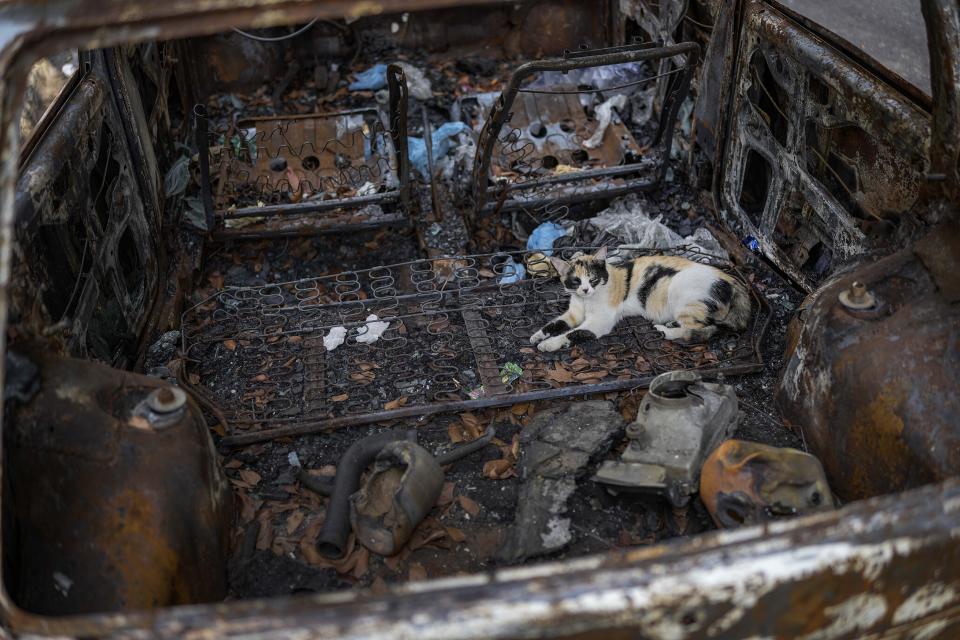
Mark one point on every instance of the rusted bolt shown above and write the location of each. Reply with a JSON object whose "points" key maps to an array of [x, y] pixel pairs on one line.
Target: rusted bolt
{"points": [[857, 296], [166, 400]]}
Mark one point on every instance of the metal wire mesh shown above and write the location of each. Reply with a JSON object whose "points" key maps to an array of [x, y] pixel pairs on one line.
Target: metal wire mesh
{"points": [[529, 134], [455, 335], [347, 168]]}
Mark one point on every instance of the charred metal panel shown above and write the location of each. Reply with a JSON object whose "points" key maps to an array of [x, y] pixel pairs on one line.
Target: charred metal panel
{"points": [[823, 160], [86, 232], [874, 390], [943, 27], [524, 29], [888, 567], [117, 501]]}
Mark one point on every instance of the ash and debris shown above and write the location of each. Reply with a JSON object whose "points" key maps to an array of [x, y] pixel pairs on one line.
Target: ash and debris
{"points": [[278, 519]]}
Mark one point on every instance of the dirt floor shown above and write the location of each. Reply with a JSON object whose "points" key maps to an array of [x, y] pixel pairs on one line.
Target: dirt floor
{"points": [[279, 520]]}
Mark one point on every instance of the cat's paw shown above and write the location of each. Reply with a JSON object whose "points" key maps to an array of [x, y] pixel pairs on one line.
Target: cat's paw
{"points": [[538, 337], [670, 333], [554, 344]]}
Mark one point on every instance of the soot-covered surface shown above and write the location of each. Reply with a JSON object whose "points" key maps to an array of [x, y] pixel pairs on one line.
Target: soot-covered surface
{"points": [[274, 539]]}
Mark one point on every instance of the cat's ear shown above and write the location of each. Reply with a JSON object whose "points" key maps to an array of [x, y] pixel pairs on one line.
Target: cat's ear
{"points": [[601, 253], [562, 266]]}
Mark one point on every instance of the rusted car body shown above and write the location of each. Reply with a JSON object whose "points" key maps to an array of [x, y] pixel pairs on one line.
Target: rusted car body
{"points": [[803, 143]]}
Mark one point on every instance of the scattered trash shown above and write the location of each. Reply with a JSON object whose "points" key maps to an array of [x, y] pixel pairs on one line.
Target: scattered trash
{"points": [[744, 483], [680, 421], [558, 444], [442, 139], [543, 237], [626, 220], [708, 243], [751, 243], [62, 583], [405, 483], [477, 392], [513, 272], [177, 178], [293, 459], [631, 225], [418, 85], [604, 115], [539, 266], [402, 488], [367, 189], [510, 372], [371, 332], [372, 79], [334, 338], [606, 78], [332, 540]]}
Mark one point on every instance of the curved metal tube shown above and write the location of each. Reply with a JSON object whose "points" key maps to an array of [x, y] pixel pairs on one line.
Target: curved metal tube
{"points": [[332, 540], [468, 448]]}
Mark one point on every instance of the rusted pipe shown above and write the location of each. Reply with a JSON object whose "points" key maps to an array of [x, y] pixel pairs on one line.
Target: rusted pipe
{"points": [[332, 540], [324, 486]]}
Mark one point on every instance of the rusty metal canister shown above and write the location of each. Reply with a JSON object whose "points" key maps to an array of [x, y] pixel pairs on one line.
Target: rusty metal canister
{"points": [[113, 497]]}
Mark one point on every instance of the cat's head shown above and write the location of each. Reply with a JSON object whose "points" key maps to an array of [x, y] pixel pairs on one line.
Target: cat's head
{"points": [[583, 274]]}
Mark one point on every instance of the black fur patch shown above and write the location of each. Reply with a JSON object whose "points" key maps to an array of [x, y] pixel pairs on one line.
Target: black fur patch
{"points": [[651, 277], [580, 335], [571, 282], [721, 291], [626, 292], [555, 328], [597, 270], [711, 305]]}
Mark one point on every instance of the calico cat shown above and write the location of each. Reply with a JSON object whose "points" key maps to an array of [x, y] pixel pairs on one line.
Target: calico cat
{"points": [[663, 289]]}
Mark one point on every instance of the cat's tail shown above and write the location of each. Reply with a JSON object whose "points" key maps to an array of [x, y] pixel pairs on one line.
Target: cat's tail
{"points": [[740, 307]]}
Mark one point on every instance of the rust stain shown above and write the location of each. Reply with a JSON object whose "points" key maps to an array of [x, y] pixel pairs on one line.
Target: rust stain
{"points": [[131, 538]]}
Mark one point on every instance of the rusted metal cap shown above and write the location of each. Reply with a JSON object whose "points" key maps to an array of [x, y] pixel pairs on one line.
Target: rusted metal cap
{"points": [[857, 297], [166, 400]]}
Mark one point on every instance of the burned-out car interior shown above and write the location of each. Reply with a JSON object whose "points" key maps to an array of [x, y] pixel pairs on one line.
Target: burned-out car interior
{"points": [[298, 339]]}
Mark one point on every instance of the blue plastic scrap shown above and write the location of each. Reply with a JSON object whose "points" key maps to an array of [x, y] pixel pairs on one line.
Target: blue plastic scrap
{"points": [[752, 243], [512, 272], [442, 138], [543, 237], [373, 79]]}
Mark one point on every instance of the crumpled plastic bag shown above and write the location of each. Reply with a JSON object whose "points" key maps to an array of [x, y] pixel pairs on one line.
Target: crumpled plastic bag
{"points": [[372, 79], [634, 228], [604, 117], [375, 78], [418, 85], [443, 139], [544, 236], [602, 78], [512, 272]]}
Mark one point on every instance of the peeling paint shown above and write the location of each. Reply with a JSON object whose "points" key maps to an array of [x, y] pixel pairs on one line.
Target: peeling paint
{"points": [[926, 600]]}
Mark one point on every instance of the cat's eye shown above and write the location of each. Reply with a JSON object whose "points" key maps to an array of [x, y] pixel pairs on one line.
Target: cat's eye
{"points": [[594, 281], [574, 282]]}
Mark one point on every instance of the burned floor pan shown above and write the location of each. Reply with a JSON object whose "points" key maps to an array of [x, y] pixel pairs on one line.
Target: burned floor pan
{"points": [[453, 335]]}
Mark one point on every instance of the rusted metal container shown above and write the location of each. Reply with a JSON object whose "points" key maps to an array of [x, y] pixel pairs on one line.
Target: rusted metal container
{"points": [[117, 499]]}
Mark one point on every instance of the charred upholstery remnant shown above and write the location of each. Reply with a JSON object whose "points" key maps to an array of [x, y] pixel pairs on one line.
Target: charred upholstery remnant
{"points": [[823, 161], [112, 509], [87, 221], [874, 392]]}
